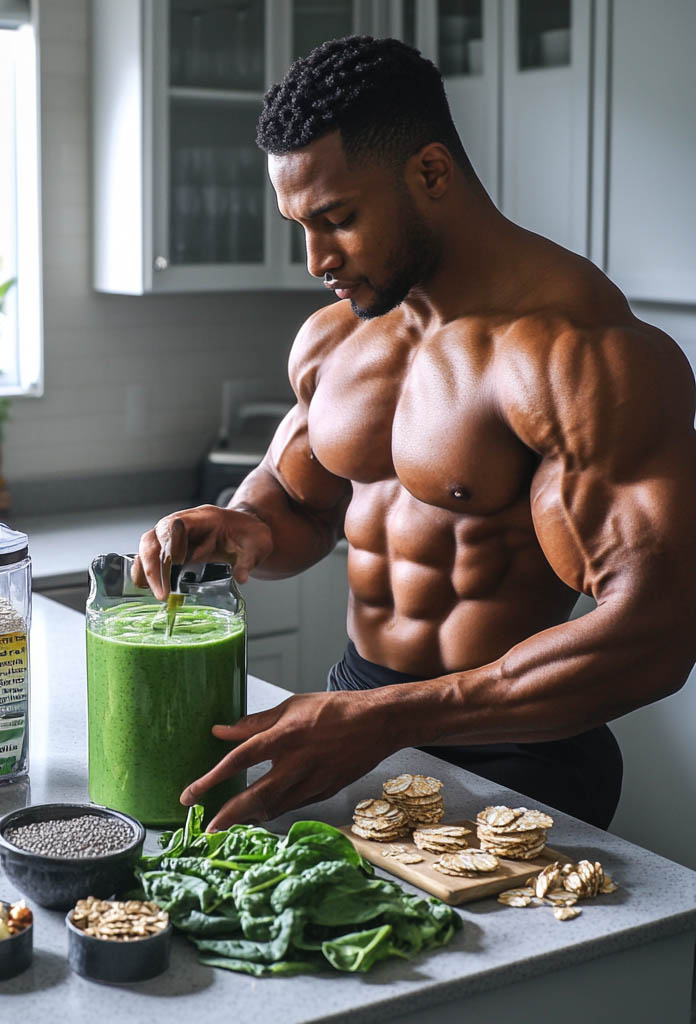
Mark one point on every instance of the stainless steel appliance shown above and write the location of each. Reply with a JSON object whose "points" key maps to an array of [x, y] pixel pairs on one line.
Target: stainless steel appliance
{"points": [[242, 442]]}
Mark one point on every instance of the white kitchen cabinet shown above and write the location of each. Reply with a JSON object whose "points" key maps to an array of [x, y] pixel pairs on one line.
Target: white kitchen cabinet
{"points": [[517, 75], [651, 206], [272, 606], [297, 626], [323, 609], [275, 659], [462, 37], [546, 117], [182, 201]]}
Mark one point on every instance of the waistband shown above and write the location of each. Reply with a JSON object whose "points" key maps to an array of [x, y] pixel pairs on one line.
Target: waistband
{"points": [[353, 672]]}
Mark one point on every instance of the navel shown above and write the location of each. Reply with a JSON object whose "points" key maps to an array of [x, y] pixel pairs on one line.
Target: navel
{"points": [[460, 492]]}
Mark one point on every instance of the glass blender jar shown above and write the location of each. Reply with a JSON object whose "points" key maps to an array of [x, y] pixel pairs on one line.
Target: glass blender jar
{"points": [[154, 695]]}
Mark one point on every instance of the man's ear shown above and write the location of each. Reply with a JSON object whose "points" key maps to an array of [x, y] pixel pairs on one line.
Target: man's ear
{"points": [[431, 170]]}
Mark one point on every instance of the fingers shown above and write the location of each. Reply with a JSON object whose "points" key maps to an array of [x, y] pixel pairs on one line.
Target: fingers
{"points": [[249, 753], [160, 548], [247, 726], [201, 534], [256, 804]]}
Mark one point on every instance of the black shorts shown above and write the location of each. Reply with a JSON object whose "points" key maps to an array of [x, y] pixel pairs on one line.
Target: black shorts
{"points": [[580, 775]]}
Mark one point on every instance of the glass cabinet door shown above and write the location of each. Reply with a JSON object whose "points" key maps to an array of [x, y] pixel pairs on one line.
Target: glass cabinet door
{"points": [[544, 35], [217, 179], [313, 22], [460, 37], [216, 44]]}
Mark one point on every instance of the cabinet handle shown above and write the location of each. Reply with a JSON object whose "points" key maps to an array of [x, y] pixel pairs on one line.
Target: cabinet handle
{"points": [[161, 263]]}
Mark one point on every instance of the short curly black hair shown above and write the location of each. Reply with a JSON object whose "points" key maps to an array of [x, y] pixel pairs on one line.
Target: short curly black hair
{"points": [[384, 97]]}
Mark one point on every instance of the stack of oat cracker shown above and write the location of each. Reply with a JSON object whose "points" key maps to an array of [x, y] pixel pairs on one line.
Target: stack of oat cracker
{"points": [[379, 820], [466, 863], [442, 839], [513, 832], [418, 796]]}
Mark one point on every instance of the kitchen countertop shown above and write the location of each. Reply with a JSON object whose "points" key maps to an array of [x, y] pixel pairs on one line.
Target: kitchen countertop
{"points": [[497, 947], [62, 546]]}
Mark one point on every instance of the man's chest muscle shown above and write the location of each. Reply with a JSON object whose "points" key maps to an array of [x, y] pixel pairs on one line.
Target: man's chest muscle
{"points": [[425, 416]]}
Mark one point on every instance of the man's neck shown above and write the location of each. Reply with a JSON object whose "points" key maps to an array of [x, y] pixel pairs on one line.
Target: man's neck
{"points": [[482, 266]]}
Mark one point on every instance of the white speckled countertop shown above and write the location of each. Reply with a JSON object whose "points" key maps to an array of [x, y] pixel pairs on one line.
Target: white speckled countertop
{"points": [[497, 946]]}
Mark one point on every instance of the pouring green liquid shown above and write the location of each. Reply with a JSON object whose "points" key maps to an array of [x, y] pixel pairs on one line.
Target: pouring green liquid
{"points": [[152, 700]]}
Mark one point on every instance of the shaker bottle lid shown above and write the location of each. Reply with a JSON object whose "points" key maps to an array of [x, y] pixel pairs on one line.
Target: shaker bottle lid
{"points": [[14, 546]]}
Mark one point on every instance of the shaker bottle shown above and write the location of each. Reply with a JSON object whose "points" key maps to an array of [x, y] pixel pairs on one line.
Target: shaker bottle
{"points": [[15, 619], [153, 696]]}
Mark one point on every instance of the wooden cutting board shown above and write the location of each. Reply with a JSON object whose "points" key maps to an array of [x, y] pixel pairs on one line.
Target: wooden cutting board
{"points": [[449, 888]]}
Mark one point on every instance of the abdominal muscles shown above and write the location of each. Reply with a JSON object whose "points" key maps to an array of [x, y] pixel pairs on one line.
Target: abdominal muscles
{"points": [[433, 591]]}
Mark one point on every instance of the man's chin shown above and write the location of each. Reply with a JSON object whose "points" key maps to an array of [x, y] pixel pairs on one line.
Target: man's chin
{"points": [[378, 308]]}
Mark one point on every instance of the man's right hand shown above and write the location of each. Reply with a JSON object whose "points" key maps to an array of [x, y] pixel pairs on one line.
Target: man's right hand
{"points": [[203, 534]]}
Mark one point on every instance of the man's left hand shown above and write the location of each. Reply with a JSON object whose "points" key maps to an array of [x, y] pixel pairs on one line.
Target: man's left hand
{"points": [[317, 743]]}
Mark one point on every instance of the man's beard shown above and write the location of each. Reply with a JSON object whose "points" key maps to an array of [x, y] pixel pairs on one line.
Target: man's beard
{"points": [[417, 254]]}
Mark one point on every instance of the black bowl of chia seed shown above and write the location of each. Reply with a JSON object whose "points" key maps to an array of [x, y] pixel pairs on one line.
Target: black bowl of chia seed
{"points": [[60, 853]]}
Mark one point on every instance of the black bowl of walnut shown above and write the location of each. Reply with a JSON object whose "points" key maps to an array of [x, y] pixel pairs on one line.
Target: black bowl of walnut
{"points": [[116, 941], [16, 938]]}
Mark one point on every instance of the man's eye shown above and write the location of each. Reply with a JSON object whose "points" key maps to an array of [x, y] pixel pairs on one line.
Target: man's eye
{"points": [[343, 223]]}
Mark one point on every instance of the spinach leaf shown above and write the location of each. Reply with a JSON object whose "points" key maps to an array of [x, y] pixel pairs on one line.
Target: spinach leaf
{"points": [[359, 951], [286, 967], [246, 949], [254, 902]]}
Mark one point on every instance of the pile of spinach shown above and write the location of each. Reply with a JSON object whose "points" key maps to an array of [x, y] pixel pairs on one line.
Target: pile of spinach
{"points": [[260, 903]]}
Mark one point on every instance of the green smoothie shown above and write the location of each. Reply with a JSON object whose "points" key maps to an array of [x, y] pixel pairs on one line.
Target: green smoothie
{"points": [[152, 701]]}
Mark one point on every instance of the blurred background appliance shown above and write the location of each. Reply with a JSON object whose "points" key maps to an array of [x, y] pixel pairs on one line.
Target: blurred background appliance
{"points": [[243, 437]]}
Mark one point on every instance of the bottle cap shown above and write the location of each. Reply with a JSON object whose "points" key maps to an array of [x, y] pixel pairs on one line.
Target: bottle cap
{"points": [[14, 546]]}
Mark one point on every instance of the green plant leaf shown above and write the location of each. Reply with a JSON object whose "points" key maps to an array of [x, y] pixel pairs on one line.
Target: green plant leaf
{"points": [[4, 289], [359, 951]]}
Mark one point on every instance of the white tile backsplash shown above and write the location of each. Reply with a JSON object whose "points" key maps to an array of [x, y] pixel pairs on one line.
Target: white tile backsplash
{"points": [[131, 383]]}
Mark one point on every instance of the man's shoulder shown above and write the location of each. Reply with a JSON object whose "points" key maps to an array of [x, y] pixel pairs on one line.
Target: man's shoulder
{"points": [[319, 335], [563, 373]]}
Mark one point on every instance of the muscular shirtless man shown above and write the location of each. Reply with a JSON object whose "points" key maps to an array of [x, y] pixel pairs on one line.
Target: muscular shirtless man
{"points": [[494, 431]]}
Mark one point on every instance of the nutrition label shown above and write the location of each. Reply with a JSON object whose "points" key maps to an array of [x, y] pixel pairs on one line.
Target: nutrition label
{"points": [[13, 698]]}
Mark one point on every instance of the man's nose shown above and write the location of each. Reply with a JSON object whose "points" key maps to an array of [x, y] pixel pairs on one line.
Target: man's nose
{"points": [[322, 256]]}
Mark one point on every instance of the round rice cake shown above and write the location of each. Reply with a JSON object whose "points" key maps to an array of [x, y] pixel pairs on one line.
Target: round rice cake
{"points": [[377, 836], [533, 820], [382, 827], [501, 819], [514, 854], [497, 816], [523, 839], [389, 815], [412, 786], [429, 839], [416, 820], [374, 808], [469, 860], [447, 830], [397, 785]]}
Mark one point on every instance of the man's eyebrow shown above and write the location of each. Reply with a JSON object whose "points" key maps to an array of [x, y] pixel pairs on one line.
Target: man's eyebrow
{"points": [[326, 208], [334, 204]]}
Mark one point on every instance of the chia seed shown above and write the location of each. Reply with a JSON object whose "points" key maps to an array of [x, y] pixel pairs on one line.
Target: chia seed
{"points": [[88, 835]]}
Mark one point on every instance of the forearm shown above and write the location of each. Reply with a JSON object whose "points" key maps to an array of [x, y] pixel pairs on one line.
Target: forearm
{"points": [[555, 684], [301, 536]]}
